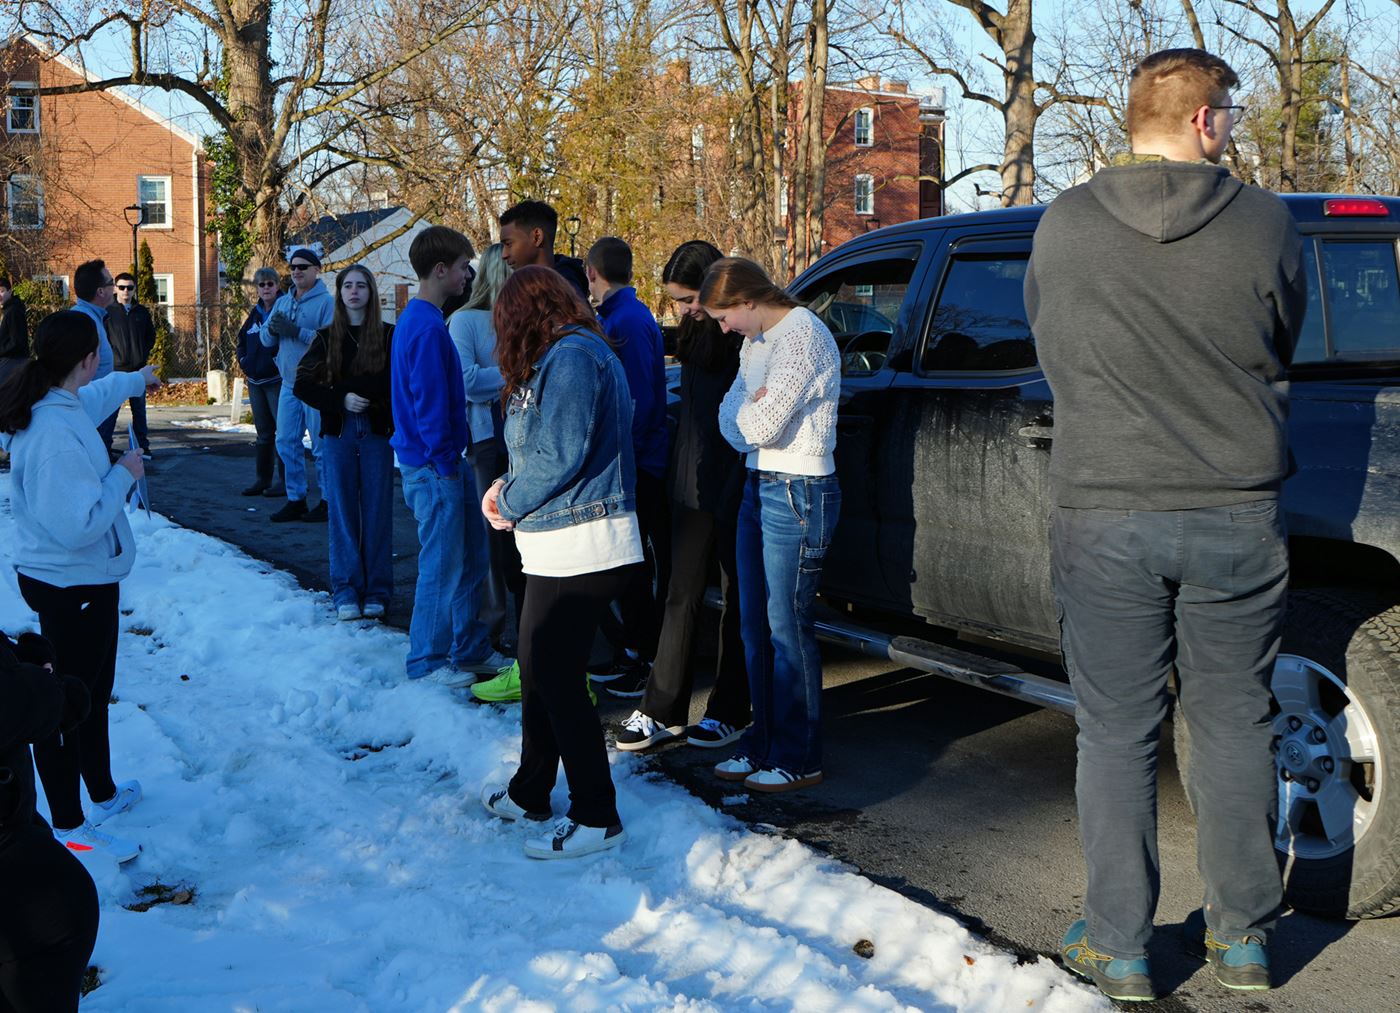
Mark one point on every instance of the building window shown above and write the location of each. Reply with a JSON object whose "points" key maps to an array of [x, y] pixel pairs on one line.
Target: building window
{"points": [[24, 200], [865, 127], [165, 296], [865, 195], [782, 200], [55, 283], [153, 193], [22, 109]]}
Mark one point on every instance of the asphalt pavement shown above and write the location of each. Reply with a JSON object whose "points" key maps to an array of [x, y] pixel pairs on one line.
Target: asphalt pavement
{"points": [[954, 797]]}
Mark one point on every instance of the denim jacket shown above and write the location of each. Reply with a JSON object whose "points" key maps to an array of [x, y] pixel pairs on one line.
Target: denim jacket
{"points": [[568, 431]]}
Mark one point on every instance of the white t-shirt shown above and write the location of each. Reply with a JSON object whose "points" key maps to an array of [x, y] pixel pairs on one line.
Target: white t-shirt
{"points": [[602, 544]]}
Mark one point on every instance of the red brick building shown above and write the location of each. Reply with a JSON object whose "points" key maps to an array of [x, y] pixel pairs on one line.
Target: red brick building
{"points": [[71, 164], [885, 158]]}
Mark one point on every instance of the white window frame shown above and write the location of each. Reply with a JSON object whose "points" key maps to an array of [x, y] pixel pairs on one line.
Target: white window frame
{"points": [[17, 86], [169, 202], [868, 114], [60, 279], [169, 303], [869, 180], [783, 199], [10, 203]]}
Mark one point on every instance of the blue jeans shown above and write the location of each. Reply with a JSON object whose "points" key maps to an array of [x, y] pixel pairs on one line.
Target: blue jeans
{"points": [[293, 418], [785, 527], [1141, 592], [445, 628], [359, 468]]}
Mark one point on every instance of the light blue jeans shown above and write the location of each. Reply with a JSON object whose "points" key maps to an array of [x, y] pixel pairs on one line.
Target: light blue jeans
{"points": [[446, 627], [359, 471], [293, 418], [785, 528]]}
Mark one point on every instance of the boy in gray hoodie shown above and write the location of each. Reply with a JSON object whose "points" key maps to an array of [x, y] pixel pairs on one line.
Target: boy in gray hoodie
{"points": [[290, 328], [1165, 297]]}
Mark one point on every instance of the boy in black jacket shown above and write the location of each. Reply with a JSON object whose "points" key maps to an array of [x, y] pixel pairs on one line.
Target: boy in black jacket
{"points": [[132, 334]]}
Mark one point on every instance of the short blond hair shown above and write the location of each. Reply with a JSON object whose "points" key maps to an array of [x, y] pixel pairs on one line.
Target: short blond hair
{"points": [[1167, 88]]}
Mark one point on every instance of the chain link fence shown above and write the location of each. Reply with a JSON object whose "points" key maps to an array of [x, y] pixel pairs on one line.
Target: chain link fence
{"points": [[201, 337]]}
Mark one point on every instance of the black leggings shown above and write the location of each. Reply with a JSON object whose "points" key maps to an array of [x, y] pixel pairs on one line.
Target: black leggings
{"points": [[558, 721], [81, 623], [48, 924]]}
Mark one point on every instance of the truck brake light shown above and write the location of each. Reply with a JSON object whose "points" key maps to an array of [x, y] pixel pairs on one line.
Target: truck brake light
{"points": [[1355, 207]]}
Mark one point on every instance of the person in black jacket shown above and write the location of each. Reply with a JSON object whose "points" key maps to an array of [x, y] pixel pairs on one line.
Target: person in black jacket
{"points": [[345, 376], [132, 334], [704, 482], [14, 330], [49, 913], [259, 365]]}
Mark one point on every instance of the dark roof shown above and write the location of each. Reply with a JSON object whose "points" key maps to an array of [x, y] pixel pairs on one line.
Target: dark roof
{"points": [[334, 231]]}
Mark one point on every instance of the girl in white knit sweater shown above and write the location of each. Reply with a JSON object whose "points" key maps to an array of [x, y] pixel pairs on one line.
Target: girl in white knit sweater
{"points": [[780, 413]]}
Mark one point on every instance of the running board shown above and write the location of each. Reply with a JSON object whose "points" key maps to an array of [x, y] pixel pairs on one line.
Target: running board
{"points": [[937, 659]]}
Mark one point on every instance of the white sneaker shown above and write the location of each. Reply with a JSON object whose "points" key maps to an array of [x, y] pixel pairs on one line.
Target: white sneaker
{"points": [[374, 610], [489, 665], [497, 800], [776, 779], [128, 794], [641, 732], [348, 612], [88, 840], [736, 768], [452, 678], [573, 840]]}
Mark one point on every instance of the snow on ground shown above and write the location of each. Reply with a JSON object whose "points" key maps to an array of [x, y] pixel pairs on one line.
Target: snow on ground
{"points": [[218, 425], [325, 814]]}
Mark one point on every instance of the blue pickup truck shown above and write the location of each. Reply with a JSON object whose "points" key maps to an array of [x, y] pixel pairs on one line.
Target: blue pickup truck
{"points": [[945, 434]]}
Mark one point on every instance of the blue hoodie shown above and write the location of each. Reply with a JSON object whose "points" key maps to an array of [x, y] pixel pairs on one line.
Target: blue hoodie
{"points": [[426, 391], [105, 360], [310, 313], [635, 334]]}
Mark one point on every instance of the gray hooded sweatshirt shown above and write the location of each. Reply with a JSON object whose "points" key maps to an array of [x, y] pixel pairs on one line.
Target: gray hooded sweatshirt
{"points": [[1165, 299]]}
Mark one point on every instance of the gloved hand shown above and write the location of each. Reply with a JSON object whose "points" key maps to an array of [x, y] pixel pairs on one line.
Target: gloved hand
{"points": [[76, 702], [355, 403], [282, 325]]}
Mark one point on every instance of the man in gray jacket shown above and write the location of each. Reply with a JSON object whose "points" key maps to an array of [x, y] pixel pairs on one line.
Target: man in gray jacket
{"points": [[290, 328], [1165, 297]]}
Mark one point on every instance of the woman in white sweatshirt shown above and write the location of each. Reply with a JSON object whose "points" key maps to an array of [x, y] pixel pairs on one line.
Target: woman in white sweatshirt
{"points": [[780, 413], [71, 546]]}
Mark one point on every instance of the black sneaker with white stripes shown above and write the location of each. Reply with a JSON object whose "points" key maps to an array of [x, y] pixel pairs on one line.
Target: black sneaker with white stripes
{"points": [[641, 732], [712, 734], [631, 683], [573, 840]]}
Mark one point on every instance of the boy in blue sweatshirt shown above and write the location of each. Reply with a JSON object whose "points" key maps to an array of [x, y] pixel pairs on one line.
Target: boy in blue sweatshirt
{"points": [[636, 336], [447, 642]]}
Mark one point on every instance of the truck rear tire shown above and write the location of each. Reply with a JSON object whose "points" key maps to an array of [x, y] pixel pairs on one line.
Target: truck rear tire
{"points": [[1337, 726]]}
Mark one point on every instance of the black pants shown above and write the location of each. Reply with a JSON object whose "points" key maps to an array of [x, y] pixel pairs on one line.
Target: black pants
{"points": [[81, 623], [557, 719], [641, 602], [48, 924], [488, 461], [696, 537], [262, 400]]}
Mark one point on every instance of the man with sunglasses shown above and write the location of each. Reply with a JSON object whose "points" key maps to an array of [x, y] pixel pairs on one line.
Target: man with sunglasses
{"points": [[290, 328], [132, 334], [93, 285]]}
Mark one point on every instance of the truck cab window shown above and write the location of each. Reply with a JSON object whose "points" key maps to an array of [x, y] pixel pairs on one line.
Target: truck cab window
{"points": [[861, 305], [1363, 294], [980, 323]]}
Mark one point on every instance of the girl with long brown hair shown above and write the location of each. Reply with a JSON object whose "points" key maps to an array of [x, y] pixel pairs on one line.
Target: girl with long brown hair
{"points": [[570, 497], [345, 376]]}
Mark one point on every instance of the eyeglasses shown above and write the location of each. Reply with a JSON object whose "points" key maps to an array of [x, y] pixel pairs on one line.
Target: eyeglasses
{"points": [[107, 284], [267, 284], [125, 288], [1236, 111], [302, 267]]}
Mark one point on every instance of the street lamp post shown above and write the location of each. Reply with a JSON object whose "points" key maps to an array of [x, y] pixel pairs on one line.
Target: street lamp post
{"points": [[571, 226], [135, 214]]}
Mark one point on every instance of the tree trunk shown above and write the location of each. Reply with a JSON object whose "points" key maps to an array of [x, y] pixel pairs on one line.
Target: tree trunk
{"points": [[1017, 38], [1290, 74], [248, 65], [817, 141]]}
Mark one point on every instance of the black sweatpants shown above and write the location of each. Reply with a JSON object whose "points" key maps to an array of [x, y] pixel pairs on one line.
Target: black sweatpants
{"points": [[695, 538], [640, 604], [557, 719], [81, 623], [48, 924]]}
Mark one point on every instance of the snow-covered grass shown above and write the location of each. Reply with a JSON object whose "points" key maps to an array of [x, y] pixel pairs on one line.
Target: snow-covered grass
{"points": [[324, 812], [216, 424]]}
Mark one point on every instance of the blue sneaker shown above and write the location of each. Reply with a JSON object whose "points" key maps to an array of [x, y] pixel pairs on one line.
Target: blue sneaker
{"points": [[1241, 964], [1124, 980]]}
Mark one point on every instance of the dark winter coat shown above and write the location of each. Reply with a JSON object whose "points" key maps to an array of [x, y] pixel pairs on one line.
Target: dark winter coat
{"points": [[706, 473], [258, 362], [572, 270], [132, 334], [31, 707], [14, 330], [329, 400]]}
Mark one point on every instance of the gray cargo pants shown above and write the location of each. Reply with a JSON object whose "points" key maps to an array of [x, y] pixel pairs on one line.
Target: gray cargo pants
{"points": [[1138, 592]]}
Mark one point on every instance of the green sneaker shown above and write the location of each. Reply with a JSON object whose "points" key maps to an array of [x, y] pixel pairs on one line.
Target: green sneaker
{"points": [[504, 688], [1242, 965], [1124, 980]]}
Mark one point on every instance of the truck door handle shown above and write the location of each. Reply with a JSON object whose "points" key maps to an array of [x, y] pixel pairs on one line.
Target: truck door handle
{"points": [[1046, 433]]}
